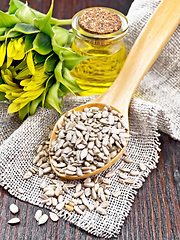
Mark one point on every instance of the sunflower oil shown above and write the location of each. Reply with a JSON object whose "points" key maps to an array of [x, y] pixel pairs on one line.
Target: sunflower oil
{"points": [[96, 75], [99, 33]]}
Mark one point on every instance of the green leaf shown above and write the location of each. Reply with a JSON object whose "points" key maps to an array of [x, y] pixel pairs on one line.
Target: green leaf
{"points": [[25, 14], [71, 58], [52, 97], [2, 96], [25, 28], [71, 81], [2, 30], [70, 40], [50, 63], [34, 104], [51, 80], [29, 41], [44, 24], [42, 44], [39, 58], [61, 35], [7, 20], [14, 5], [24, 111], [24, 74]]}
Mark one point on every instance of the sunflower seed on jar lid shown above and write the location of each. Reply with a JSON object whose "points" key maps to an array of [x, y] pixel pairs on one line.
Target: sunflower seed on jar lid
{"points": [[82, 207], [142, 166], [60, 206], [37, 215], [14, 221], [27, 175], [101, 210], [53, 217], [116, 193], [127, 160], [43, 219], [78, 194], [14, 208]]}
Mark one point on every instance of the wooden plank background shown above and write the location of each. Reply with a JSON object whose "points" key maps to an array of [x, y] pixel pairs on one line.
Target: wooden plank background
{"points": [[155, 213]]}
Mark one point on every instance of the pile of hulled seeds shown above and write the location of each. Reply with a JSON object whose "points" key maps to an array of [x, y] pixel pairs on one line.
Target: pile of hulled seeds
{"points": [[91, 194], [88, 140]]}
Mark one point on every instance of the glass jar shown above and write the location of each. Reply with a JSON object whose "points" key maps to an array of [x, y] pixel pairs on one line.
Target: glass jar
{"points": [[108, 51]]}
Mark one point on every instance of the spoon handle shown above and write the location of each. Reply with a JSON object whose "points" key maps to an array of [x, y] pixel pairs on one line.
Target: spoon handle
{"points": [[143, 54]]}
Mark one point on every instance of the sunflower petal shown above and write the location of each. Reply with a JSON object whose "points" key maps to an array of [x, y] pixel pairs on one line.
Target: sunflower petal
{"points": [[2, 53], [30, 63]]}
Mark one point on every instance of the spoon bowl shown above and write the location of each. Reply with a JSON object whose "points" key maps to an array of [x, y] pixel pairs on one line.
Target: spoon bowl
{"points": [[98, 170], [143, 54]]}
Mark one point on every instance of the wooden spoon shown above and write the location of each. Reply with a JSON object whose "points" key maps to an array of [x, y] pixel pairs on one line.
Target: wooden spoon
{"points": [[144, 52]]}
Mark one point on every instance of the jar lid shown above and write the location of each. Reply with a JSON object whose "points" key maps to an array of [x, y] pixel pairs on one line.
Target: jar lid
{"points": [[113, 28], [100, 21]]}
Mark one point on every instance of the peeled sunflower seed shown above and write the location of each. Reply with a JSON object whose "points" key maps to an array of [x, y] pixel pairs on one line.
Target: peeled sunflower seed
{"points": [[104, 204], [142, 166], [53, 217], [116, 193], [127, 160], [38, 214], [101, 210], [27, 175], [43, 219], [60, 206], [78, 210], [14, 221], [13, 208], [69, 208], [20, 190], [110, 174], [129, 181], [134, 172]]}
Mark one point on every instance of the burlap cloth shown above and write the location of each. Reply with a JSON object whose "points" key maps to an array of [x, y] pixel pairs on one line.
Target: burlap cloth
{"points": [[156, 106]]}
